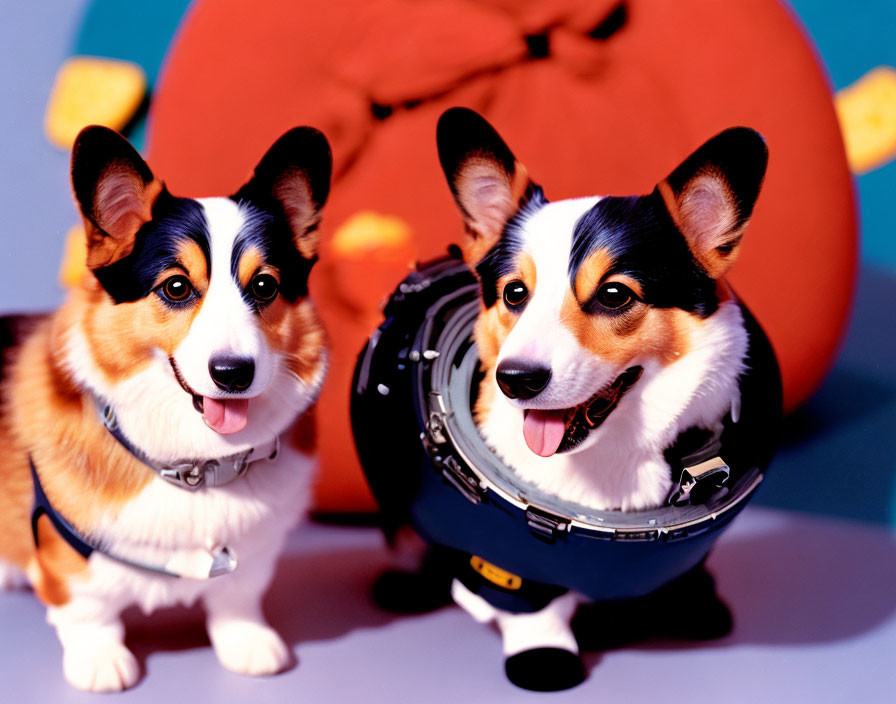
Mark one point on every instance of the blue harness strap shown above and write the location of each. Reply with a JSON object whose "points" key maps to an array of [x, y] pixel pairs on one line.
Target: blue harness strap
{"points": [[221, 560], [43, 507]]}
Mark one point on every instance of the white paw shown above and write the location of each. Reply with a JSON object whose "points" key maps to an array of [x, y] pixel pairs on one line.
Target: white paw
{"points": [[105, 668], [250, 648]]}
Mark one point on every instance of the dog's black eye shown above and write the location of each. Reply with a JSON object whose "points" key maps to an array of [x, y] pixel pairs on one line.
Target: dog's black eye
{"points": [[177, 289], [515, 295], [263, 287], [613, 295]]}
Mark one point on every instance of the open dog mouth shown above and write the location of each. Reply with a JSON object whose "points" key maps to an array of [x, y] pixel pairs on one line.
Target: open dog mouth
{"points": [[558, 430], [223, 415]]}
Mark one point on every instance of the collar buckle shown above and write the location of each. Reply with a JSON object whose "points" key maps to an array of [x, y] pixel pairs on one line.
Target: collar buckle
{"points": [[186, 474], [192, 474], [241, 462]]}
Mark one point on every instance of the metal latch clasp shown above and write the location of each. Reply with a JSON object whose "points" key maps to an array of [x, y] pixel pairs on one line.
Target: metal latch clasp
{"points": [[714, 472], [435, 428], [545, 526], [187, 475], [461, 478]]}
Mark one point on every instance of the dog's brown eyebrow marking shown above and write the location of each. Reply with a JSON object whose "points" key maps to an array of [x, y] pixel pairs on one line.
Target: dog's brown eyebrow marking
{"points": [[192, 260], [251, 260], [590, 274]]}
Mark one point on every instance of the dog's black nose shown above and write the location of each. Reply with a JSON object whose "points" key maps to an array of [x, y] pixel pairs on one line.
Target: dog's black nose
{"points": [[521, 379], [232, 373]]}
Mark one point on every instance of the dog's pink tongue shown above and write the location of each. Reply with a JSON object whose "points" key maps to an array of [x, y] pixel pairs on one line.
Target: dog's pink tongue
{"points": [[225, 416], [543, 430]]}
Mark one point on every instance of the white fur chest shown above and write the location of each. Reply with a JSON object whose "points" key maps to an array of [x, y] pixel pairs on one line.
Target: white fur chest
{"points": [[250, 516]]}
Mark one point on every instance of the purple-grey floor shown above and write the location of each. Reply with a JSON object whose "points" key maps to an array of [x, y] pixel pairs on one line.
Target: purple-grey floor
{"points": [[813, 599]]}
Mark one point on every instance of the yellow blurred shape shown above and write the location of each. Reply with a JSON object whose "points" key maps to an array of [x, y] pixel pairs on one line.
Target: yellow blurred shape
{"points": [[867, 113], [74, 261], [367, 231], [92, 91]]}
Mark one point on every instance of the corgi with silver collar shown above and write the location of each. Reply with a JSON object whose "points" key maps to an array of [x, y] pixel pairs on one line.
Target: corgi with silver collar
{"points": [[606, 330], [156, 427]]}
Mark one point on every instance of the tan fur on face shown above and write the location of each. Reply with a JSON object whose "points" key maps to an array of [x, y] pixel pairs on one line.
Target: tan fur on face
{"points": [[295, 331], [292, 329], [490, 330], [641, 329], [593, 272], [526, 268], [250, 263], [192, 258], [494, 325], [124, 337], [662, 333]]}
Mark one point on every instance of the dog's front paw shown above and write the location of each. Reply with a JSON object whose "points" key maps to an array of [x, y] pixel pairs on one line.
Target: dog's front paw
{"points": [[250, 648], [110, 667]]}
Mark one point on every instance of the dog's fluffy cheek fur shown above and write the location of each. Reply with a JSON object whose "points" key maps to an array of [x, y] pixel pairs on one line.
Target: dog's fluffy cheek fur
{"points": [[127, 337], [294, 332]]}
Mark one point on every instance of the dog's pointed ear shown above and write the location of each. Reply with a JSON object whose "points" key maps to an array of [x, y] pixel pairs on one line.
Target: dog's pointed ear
{"points": [[115, 190], [711, 195], [488, 183], [295, 173]]}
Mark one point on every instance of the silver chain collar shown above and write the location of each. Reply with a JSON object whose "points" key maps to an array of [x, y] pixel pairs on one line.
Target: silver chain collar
{"points": [[190, 473], [193, 474]]}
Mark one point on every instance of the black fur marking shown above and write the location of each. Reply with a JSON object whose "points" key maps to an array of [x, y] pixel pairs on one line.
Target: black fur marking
{"points": [[500, 260], [267, 229], [156, 247], [644, 244]]}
